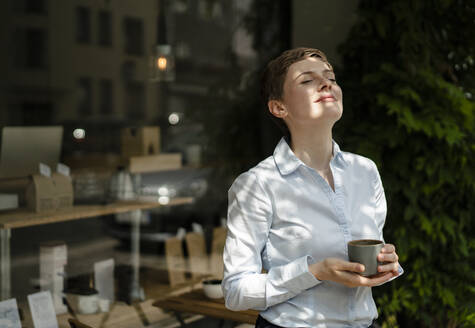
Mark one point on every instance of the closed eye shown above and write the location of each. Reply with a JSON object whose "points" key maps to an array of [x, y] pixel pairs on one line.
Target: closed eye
{"points": [[306, 81]]}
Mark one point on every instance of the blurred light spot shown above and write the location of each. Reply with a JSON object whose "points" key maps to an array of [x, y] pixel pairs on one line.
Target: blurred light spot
{"points": [[79, 133], [162, 63], [163, 191], [173, 119], [164, 200], [468, 95]]}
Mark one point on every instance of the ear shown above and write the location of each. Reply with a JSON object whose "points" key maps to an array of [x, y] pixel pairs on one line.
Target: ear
{"points": [[276, 108]]}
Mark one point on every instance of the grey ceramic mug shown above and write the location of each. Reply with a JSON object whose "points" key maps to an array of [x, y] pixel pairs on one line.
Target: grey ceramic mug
{"points": [[365, 251]]}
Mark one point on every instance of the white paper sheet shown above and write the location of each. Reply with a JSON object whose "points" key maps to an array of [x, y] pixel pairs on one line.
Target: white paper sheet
{"points": [[9, 316], [104, 279], [42, 310]]}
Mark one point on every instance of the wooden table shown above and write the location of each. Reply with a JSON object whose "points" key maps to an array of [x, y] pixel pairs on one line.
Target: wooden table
{"points": [[196, 302], [23, 218]]}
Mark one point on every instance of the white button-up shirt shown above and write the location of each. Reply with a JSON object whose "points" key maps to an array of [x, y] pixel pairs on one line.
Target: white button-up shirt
{"points": [[282, 216]]}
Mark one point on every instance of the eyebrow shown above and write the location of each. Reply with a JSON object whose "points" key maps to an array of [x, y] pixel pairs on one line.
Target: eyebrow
{"points": [[312, 72]]}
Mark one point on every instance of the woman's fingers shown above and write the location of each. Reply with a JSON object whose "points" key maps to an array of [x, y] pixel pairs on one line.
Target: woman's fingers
{"points": [[351, 266], [390, 260], [392, 266], [388, 254], [388, 257], [354, 280], [347, 273], [349, 279], [335, 264], [377, 279], [388, 248]]}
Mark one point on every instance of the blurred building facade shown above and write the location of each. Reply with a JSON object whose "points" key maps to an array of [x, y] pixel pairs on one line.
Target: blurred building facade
{"points": [[86, 62], [77, 59]]}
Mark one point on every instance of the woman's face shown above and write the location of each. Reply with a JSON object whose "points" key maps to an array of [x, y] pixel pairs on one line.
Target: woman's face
{"points": [[311, 94]]}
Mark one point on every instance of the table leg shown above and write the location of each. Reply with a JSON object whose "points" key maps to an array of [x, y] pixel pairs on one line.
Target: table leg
{"points": [[141, 314], [5, 269], [136, 292], [221, 323], [180, 319]]}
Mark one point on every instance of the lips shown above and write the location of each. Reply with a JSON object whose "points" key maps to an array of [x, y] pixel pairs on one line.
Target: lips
{"points": [[325, 98]]}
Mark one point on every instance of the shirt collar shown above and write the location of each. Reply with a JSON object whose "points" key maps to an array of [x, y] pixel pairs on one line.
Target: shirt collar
{"points": [[287, 162], [339, 155]]}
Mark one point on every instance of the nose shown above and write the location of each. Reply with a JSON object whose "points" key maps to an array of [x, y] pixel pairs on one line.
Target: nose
{"points": [[325, 84]]}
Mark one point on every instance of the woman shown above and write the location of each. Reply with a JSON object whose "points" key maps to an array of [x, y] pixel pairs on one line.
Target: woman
{"points": [[291, 216]]}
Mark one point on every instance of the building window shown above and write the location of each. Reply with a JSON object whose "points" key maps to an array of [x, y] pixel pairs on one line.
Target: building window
{"points": [[135, 100], [105, 28], [35, 6], [84, 86], [134, 36], [37, 113], [36, 48], [83, 25], [29, 6], [30, 46], [107, 97]]}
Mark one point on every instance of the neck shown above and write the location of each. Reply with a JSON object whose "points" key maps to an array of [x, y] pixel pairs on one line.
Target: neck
{"points": [[313, 147]]}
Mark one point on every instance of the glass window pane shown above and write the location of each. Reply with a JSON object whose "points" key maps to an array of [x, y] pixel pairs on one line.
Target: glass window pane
{"points": [[105, 28], [135, 100], [107, 99], [84, 86], [134, 36], [83, 25], [30, 48]]}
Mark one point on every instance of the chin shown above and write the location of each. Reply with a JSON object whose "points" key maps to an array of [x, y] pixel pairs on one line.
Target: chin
{"points": [[339, 115], [338, 112], [334, 117], [335, 114]]}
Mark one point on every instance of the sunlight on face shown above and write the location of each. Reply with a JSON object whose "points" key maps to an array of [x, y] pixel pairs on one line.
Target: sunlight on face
{"points": [[311, 94]]}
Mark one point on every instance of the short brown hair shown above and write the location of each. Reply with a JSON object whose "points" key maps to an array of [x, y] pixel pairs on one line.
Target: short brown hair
{"points": [[273, 78]]}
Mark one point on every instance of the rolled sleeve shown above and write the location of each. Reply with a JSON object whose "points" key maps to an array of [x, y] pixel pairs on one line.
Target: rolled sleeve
{"points": [[289, 280], [244, 285]]}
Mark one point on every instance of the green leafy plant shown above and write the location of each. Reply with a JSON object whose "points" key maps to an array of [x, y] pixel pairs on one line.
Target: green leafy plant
{"points": [[408, 80]]}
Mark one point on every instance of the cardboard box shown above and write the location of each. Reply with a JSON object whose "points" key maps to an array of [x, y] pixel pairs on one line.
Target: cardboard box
{"points": [[155, 163], [141, 141], [64, 195], [41, 194], [103, 162]]}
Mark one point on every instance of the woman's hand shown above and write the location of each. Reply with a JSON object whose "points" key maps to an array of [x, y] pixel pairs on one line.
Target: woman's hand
{"points": [[389, 256], [347, 273]]}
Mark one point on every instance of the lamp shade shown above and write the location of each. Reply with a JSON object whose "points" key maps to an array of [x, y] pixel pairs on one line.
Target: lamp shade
{"points": [[162, 64]]}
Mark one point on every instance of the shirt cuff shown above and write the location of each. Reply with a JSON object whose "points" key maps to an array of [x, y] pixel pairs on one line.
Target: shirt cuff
{"points": [[295, 275], [400, 271]]}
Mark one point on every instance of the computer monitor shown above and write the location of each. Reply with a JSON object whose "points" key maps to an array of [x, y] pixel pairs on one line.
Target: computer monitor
{"points": [[24, 147]]}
